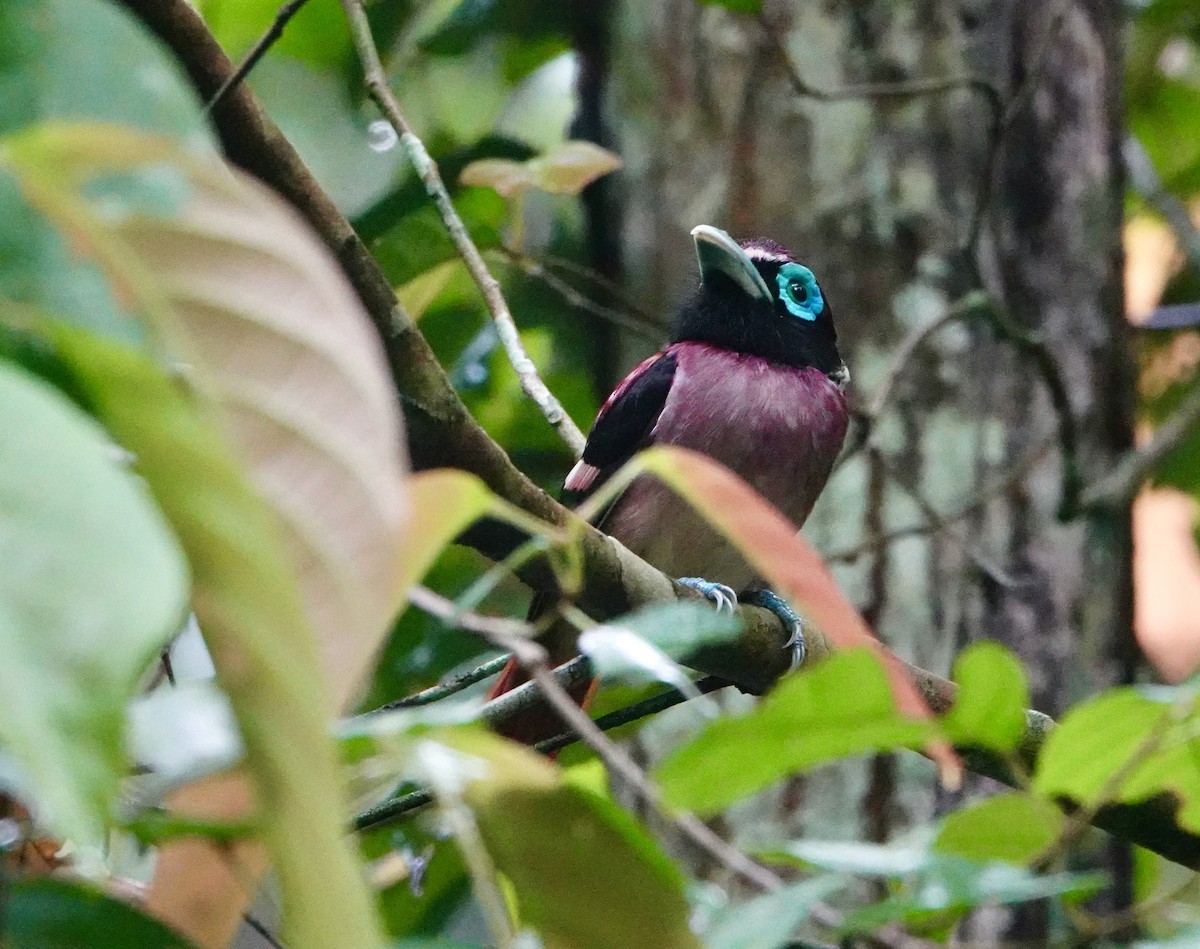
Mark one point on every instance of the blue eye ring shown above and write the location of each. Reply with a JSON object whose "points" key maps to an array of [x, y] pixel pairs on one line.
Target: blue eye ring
{"points": [[799, 291]]}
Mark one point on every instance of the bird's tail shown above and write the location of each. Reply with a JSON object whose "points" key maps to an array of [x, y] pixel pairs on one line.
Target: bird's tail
{"points": [[540, 723]]}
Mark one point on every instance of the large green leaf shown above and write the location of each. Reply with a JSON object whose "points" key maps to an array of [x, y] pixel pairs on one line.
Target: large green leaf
{"points": [[93, 585], [75, 59], [240, 292], [993, 697], [56, 914], [586, 875], [246, 600], [1012, 827], [1138, 736], [843, 706], [70, 60]]}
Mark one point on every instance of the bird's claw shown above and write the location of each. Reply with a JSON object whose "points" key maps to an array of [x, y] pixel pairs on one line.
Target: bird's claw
{"points": [[779, 606], [724, 597]]}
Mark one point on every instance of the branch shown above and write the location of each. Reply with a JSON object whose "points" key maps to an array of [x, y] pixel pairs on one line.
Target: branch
{"points": [[426, 167], [451, 687], [257, 51], [442, 433], [514, 637], [1119, 486], [1149, 185]]}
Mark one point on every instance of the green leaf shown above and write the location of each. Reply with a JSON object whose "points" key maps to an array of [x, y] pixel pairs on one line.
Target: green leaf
{"points": [[94, 584], [896, 860], [234, 285], [247, 604], [753, 7], [993, 697], [768, 921], [585, 873], [54, 914], [1103, 736], [931, 882], [317, 34], [1011, 827], [73, 59], [843, 706], [570, 167], [566, 169], [951, 885]]}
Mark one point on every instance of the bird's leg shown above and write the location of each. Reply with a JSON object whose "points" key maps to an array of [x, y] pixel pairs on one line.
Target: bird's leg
{"points": [[723, 596], [779, 606]]}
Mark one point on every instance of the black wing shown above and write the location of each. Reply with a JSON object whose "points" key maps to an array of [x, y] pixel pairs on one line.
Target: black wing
{"points": [[623, 426]]}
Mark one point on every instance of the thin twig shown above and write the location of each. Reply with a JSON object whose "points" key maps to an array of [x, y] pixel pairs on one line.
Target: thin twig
{"points": [[381, 93], [935, 521], [1031, 344], [535, 269], [511, 635], [1146, 182], [1122, 483], [906, 89], [909, 345], [452, 686], [257, 51]]}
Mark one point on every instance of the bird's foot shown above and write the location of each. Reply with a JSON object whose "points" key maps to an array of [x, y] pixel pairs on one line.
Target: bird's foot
{"points": [[723, 596], [778, 605]]}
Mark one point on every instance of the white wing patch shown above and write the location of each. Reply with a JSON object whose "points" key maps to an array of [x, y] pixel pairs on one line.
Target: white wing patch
{"points": [[581, 477]]}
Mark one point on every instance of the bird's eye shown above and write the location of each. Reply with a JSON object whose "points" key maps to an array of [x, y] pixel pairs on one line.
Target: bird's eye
{"points": [[799, 292]]}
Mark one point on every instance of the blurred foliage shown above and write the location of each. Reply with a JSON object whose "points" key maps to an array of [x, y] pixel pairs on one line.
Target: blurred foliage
{"points": [[572, 865]]}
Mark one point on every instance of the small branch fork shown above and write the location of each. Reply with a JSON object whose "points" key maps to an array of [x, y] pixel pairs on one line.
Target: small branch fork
{"points": [[513, 636], [381, 93]]}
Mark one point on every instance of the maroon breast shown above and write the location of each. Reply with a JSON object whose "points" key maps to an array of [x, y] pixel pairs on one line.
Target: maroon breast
{"points": [[778, 427]]}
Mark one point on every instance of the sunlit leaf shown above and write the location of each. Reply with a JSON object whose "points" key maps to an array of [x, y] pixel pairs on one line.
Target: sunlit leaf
{"points": [[241, 291], [1137, 734], [570, 167], [992, 700], [57, 914], [842, 706], [899, 859], [93, 586], [507, 178], [1012, 827], [566, 169], [416, 295]]}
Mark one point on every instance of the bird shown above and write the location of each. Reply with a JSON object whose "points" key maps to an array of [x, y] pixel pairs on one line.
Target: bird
{"points": [[752, 378]]}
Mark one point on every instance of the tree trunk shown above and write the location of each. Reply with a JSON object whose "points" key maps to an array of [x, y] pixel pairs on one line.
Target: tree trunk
{"points": [[879, 194]]}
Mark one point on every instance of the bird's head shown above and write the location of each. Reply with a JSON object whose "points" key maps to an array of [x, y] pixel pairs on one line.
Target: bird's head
{"points": [[755, 298]]}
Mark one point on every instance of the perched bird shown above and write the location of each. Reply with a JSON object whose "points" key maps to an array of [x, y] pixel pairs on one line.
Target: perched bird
{"points": [[752, 378]]}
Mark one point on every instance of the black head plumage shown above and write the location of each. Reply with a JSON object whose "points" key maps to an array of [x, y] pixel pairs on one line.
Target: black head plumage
{"points": [[755, 298]]}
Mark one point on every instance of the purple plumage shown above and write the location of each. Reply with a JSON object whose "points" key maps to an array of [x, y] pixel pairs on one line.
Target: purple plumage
{"points": [[777, 426], [753, 379]]}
